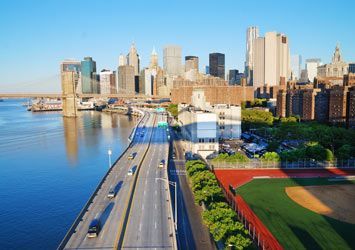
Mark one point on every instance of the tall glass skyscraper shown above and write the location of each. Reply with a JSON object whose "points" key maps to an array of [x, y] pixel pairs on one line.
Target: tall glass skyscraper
{"points": [[88, 76], [217, 65]]}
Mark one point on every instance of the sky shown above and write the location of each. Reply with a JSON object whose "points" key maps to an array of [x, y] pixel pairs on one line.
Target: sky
{"points": [[36, 35]]}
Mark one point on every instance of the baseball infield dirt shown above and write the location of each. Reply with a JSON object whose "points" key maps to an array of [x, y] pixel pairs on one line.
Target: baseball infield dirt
{"points": [[335, 201]]}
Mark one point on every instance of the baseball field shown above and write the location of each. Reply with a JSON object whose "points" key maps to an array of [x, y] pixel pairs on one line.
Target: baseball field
{"points": [[305, 213]]}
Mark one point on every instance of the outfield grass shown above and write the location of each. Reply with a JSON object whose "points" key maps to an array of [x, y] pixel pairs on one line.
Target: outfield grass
{"points": [[294, 226]]}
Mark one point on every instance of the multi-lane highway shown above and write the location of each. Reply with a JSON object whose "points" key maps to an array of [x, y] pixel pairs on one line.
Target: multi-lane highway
{"points": [[150, 223], [140, 214], [111, 211]]}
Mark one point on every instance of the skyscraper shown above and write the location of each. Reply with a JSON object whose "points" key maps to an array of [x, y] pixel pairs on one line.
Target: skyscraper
{"points": [[126, 82], [172, 60], [191, 62], [217, 65], [296, 62], [311, 67], [271, 59], [122, 60], [107, 82], [352, 68], [252, 34], [88, 76], [154, 59], [191, 68], [133, 59]]}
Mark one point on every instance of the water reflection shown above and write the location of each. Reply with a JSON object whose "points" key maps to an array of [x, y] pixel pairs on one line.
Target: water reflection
{"points": [[90, 128], [71, 139]]}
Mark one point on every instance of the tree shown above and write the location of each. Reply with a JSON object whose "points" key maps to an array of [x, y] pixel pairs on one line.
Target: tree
{"points": [[273, 146], [237, 157], [345, 152], [238, 241], [252, 118], [202, 179], [173, 109], [195, 169], [270, 156]]}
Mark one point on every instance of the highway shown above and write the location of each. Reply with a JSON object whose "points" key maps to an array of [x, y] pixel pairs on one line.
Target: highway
{"points": [[111, 211], [150, 223]]}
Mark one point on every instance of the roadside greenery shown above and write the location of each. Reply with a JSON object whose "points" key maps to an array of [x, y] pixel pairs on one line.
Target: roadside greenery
{"points": [[235, 158], [173, 109], [220, 219]]}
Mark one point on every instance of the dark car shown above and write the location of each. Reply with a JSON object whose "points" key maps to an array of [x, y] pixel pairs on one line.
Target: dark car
{"points": [[94, 228]]}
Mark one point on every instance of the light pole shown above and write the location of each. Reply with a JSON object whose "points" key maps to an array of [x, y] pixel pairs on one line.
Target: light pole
{"points": [[172, 183], [109, 152]]}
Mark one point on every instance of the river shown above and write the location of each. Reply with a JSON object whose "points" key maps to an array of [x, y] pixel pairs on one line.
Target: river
{"points": [[49, 167]]}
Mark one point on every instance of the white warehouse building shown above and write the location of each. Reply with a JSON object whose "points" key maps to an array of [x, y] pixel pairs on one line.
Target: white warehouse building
{"points": [[203, 125]]}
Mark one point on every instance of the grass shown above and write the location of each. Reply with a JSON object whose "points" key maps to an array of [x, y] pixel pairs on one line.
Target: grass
{"points": [[296, 227]]}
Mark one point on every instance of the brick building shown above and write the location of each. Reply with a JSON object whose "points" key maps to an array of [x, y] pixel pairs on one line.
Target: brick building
{"points": [[350, 121], [337, 104]]}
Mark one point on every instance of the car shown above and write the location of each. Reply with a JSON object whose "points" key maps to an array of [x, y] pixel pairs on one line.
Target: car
{"points": [[174, 155], [112, 193], [131, 156], [132, 170], [94, 228], [162, 164]]}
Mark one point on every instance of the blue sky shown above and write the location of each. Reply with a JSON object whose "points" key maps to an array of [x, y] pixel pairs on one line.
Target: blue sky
{"points": [[35, 35]]}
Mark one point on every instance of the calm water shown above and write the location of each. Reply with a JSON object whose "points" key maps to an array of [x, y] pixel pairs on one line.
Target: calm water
{"points": [[49, 167]]}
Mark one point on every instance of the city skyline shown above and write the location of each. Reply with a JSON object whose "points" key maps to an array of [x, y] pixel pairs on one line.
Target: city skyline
{"points": [[47, 43]]}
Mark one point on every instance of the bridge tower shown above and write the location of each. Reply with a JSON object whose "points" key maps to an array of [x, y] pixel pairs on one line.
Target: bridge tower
{"points": [[69, 82]]}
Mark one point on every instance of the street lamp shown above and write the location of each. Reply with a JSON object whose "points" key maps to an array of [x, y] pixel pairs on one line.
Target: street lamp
{"points": [[109, 152], [172, 183]]}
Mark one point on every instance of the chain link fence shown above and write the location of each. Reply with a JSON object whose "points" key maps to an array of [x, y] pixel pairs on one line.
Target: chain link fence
{"points": [[283, 164]]}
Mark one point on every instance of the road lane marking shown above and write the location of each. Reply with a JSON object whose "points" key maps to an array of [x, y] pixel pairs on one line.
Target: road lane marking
{"points": [[155, 225]]}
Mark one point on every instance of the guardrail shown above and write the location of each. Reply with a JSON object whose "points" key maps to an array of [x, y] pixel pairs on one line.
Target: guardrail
{"points": [[171, 205], [133, 133], [123, 224], [89, 202]]}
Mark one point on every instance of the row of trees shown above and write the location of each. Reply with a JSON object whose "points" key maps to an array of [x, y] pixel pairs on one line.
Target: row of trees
{"points": [[234, 158], [220, 219]]}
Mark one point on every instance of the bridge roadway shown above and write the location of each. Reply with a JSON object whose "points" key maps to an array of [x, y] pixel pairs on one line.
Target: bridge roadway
{"points": [[150, 224], [110, 211]]}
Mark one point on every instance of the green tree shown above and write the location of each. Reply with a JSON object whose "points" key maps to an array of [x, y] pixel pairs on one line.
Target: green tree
{"points": [[238, 242], [345, 152], [173, 109], [195, 169], [270, 156], [273, 146], [252, 118]]}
